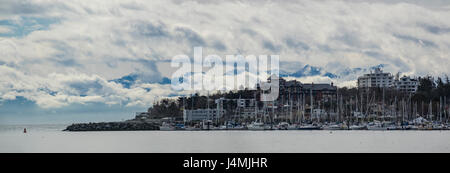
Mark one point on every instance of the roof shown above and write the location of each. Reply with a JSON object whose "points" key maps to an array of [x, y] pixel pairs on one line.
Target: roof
{"points": [[293, 83], [406, 78], [319, 87]]}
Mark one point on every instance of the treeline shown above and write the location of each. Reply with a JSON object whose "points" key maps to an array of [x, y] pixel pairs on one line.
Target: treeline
{"points": [[174, 107], [432, 90], [166, 108]]}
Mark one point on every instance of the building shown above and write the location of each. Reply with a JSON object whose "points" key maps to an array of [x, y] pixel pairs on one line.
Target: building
{"points": [[379, 79], [201, 114], [376, 79], [291, 86], [293, 90], [246, 107], [406, 84], [285, 87]]}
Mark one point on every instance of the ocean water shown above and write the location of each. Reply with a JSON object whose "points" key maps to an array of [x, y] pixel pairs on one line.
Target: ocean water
{"points": [[51, 138]]}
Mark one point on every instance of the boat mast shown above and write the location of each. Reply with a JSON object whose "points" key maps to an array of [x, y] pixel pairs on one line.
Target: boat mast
{"points": [[183, 107], [383, 114], [395, 109], [430, 111], [192, 101], [281, 111], [361, 109], [367, 101], [331, 108], [410, 107], [445, 109], [298, 107], [338, 107], [311, 99], [273, 114], [303, 106], [356, 109], [403, 110], [440, 109], [375, 102], [341, 109], [207, 105], [351, 106], [423, 110], [239, 110], [290, 99], [256, 106]]}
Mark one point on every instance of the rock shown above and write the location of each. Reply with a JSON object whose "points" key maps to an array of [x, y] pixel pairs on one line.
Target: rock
{"points": [[112, 126]]}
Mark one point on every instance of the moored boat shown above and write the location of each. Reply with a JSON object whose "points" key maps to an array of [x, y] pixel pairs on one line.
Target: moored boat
{"points": [[166, 127], [193, 128], [358, 127], [309, 127], [282, 126], [333, 127], [376, 126], [256, 126]]}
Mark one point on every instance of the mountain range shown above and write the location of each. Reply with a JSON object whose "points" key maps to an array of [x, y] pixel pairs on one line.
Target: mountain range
{"points": [[129, 80]]}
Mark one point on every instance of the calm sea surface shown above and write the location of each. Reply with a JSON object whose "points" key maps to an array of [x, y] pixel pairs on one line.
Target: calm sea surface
{"points": [[50, 138]]}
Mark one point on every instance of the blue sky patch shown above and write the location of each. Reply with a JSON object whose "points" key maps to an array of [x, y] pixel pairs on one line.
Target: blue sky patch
{"points": [[25, 25]]}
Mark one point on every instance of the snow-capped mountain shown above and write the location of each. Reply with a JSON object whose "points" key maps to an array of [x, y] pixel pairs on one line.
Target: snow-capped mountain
{"points": [[306, 71]]}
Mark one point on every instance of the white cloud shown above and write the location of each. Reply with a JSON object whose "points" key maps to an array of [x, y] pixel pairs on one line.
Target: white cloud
{"points": [[89, 43], [56, 89]]}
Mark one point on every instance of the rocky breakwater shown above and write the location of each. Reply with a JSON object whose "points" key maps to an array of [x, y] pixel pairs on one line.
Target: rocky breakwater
{"points": [[112, 126]]}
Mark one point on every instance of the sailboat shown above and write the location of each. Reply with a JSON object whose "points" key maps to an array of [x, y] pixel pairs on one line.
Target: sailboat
{"points": [[166, 127], [358, 127], [309, 127], [286, 126], [333, 127], [193, 128], [256, 125], [377, 125]]}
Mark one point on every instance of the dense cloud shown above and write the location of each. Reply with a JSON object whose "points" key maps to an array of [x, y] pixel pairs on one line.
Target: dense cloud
{"points": [[56, 89], [64, 52]]}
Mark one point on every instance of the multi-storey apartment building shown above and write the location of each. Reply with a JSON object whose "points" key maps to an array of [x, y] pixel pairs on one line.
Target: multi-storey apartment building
{"points": [[406, 84], [380, 79], [376, 79]]}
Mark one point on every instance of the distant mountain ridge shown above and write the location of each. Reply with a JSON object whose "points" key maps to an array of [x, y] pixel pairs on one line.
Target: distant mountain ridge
{"points": [[309, 70], [306, 71]]}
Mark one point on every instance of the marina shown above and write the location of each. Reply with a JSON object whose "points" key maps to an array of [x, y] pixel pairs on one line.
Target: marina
{"points": [[372, 126], [380, 102]]}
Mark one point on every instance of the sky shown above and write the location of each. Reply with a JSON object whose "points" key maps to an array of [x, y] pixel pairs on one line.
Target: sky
{"points": [[103, 60]]}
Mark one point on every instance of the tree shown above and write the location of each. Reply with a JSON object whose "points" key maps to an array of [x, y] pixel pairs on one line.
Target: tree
{"points": [[426, 84]]}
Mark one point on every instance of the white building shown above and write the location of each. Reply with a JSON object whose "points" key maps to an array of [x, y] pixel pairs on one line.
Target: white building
{"points": [[201, 114], [406, 84], [376, 79], [380, 79], [245, 107]]}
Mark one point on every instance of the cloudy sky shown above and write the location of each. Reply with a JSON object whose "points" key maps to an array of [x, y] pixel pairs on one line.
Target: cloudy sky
{"points": [[64, 61]]}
